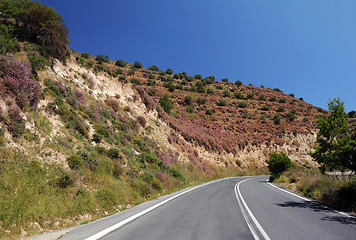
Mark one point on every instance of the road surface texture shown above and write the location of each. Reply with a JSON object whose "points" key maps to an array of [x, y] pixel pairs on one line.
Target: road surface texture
{"points": [[233, 208]]}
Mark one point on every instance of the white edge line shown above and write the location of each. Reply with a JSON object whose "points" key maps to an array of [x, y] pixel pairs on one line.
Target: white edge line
{"points": [[137, 215], [309, 200], [239, 196]]}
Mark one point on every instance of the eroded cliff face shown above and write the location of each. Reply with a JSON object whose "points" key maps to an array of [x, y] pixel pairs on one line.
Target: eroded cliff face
{"points": [[101, 86]]}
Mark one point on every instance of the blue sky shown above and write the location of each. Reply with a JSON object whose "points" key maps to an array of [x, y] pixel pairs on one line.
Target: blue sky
{"points": [[305, 47]]}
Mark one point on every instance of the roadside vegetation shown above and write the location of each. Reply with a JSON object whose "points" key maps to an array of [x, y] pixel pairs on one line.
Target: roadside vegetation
{"points": [[335, 151]]}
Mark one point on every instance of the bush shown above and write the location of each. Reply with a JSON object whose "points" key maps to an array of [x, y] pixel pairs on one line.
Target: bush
{"points": [[277, 119], [188, 100], [226, 93], [189, 109], [151, 92], [101, 58], [209, 112], [75, 161], [278, 163], [291, 116], [85, 55], [225, 80], [273, 99], [16, 123], [210, 91], [153, 68], [280, 109], [114, 153], [242, 105], [136, 81], [169, 71], [120, 63], [262, 97], [166, 103], [265, 108], [282, 100], [238, 83], [137, 65], [201, 101], [106, 197], [222, 103], [238, 95]]}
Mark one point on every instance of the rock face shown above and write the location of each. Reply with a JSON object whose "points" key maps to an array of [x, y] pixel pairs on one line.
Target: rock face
{"points": [[296, 147]]}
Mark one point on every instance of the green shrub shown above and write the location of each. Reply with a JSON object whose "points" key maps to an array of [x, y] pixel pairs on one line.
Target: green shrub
{"points": [[136, 81], [106, 197], [201, 101], [75, 161], [222, 103], [273, 99], [226, 93], [238, 83], [210, 91], [65, 180], [225, 80], [166, 103], [242, 105], [153, 68], [137, 65], [114, 153], [282, 100], [101, 58], [97, 137], [277, 119], [189, 109], [281, 109], [151, 92], [188, 100], [209, 112], [262, 98], [265, 108], [8, 43], [169, 71], [291, 116], [120, 63], [85, 55], [278, 163]]}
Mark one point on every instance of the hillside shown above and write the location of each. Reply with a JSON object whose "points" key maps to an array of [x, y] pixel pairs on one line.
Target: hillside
{"points": [[82, 137]]}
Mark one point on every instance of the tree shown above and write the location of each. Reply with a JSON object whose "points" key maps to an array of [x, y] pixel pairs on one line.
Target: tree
{"points": [[39, 24], [336, 143], [278, 163]]}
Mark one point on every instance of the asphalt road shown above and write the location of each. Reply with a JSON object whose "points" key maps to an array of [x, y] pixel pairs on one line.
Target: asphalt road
{"points": [[235, 208]]}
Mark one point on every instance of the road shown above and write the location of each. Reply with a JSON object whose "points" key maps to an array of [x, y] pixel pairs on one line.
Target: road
{"points": [[234, 208]]}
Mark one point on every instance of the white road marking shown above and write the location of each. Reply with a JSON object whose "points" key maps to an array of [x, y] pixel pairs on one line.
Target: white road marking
{"points": [[309, 200], [240, 200], [137, 215]]}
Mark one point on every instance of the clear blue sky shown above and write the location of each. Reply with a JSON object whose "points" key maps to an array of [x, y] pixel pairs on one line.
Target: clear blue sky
{"points": [[305, 47]]}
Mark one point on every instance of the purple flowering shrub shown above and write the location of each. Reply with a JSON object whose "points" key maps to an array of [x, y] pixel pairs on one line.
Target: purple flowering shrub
{"points": [[15, 82]]}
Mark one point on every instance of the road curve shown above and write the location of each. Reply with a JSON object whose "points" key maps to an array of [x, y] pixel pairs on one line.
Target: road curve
{"points": [[234, 208]]}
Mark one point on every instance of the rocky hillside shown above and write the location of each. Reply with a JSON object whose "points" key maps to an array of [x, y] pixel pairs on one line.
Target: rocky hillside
{"points": [[82, 136]]}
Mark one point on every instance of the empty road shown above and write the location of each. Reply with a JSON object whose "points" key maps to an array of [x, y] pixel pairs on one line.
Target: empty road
{"points": [[233, 208]]}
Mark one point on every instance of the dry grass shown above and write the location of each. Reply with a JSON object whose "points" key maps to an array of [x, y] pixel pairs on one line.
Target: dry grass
{"points": [[336, 191]]}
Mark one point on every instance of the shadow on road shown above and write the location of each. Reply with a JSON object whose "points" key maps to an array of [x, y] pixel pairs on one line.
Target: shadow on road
{"points": [[343, 220], [306, 204], [314, 206]]}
